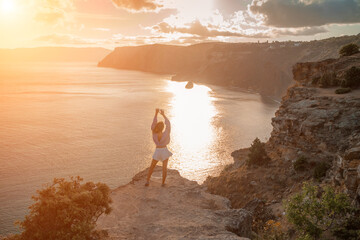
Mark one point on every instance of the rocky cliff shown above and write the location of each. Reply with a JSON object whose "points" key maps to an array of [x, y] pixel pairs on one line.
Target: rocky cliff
{"points": [[262, 67], [312, 123], [180, 210]]}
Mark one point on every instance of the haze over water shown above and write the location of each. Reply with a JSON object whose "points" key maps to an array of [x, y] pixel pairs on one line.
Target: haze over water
{"points": [[60, 120]]}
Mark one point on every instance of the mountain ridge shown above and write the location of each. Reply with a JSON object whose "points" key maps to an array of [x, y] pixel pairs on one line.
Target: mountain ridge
{"points": [[261, 67]]}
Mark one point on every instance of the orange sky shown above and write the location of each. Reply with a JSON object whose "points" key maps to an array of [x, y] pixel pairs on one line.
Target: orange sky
{"points": [[110, 23]]}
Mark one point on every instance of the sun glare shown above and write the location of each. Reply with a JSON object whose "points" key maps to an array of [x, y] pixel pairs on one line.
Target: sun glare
{"points": [[192, 112], [7, 6]]}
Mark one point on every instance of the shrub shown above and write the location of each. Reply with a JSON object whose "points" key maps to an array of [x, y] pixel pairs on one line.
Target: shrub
{"points": [[313, 211], [320, 170], [315, 80], [257, 155], [352, 77], [349, 49], [66, 210], [272, 230], [300, 164], [350, 230], [342, 90]]}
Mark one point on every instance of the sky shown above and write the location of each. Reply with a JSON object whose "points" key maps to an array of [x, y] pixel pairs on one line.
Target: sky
{"points": [[113, 23]]}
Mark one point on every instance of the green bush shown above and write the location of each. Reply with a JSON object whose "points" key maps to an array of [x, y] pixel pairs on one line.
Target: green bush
{"points": [[328, 80], [257, 155], [315, 80], [320, 170], [66, 210], [300, 164], [350, 230], [342, 90], [313, 211], [349, 49], [352, 78]]}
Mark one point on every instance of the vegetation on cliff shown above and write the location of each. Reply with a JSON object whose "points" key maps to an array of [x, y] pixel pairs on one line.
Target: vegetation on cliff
{"points": [[349, 49], [315, 138], [352, 77], [257, 154], [315, 211], [65, 210]]}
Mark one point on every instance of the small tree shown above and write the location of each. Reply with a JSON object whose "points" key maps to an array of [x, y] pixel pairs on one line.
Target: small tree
{"points": [[66, 210], [349, 49], [257, 155], [314, 211], [320, 170], [352, 77], [300, 164]]}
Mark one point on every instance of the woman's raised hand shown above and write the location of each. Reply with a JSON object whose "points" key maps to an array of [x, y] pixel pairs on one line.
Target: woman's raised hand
{"points": [[162, 112], [157, 111]]}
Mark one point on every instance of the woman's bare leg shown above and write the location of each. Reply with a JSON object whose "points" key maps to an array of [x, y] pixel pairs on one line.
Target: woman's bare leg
{"points": [[164, 172], [151, 169]]}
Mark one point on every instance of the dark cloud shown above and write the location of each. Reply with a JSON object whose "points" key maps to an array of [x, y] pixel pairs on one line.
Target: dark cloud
{"points": [[196, 28], [231, 6], [305, 31], [305, 13], [138, 5]]}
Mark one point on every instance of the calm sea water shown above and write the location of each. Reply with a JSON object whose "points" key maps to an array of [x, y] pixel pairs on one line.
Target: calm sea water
{"points": [[61, 120]]}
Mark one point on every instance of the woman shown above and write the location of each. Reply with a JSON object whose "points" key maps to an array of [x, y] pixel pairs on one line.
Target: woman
{"points": [[161, 139]]}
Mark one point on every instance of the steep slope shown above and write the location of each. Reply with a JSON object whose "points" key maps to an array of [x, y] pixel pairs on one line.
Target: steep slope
{"points": [[312, 123]]}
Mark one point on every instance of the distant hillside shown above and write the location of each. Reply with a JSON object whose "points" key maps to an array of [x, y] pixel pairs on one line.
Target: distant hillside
{"points": [[53, 54], [262, 67]]}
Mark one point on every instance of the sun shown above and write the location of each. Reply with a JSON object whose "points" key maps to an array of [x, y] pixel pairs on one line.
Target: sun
{"points": [[7, 6]]}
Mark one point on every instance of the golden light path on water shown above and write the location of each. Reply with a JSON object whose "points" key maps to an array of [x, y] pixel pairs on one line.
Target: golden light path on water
{"points": [[192, 112]]}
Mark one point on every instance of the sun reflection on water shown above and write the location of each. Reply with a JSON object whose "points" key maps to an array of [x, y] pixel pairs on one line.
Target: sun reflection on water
{"points": [[192, 113]]}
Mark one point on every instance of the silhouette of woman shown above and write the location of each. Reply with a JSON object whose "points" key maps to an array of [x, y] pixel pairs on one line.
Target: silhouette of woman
{"points": [[161, 140]]}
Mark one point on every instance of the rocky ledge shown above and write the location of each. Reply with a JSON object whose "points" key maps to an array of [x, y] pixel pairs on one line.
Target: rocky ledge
{"points": [[180, 210], [312, 123]]}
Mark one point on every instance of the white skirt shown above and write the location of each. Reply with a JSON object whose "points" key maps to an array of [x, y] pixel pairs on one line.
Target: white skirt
{"points": [[161, 154]]}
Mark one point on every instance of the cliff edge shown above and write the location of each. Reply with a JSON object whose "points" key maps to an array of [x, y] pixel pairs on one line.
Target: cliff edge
{"points": [[313, 126], [180, 210]]}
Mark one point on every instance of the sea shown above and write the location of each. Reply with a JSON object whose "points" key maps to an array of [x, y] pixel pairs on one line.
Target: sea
{"points": [[59, 120]]}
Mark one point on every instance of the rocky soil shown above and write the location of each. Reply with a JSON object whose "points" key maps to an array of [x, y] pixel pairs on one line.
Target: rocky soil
{"points": [[180, 210]]}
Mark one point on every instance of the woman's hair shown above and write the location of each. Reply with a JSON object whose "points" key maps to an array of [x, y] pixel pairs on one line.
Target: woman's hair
{"points": [[159, 127]]}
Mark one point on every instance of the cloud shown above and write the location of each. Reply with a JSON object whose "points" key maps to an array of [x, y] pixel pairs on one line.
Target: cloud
{"points": [[50, 16], [194, 28], [138, 5], [54, 12], [305, 31], [102, 29], [306, 13]]}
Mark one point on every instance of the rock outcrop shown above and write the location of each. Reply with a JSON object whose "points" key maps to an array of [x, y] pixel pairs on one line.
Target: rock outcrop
{"points": [[180, 210], [313, 123], [306, 73]]}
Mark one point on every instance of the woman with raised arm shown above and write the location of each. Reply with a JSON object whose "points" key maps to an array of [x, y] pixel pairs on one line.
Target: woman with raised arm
{"points": [[161, 140]]}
